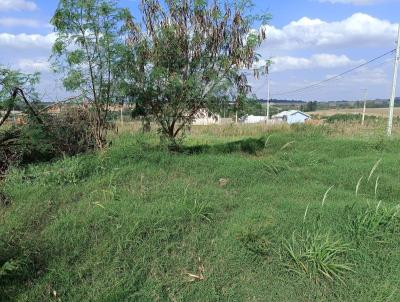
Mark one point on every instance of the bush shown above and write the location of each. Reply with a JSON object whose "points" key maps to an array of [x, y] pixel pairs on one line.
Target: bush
{"points": [[69, 133], [72, 131]]}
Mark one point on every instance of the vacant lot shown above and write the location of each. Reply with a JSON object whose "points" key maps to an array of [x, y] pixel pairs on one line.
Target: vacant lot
{"points": [[241, 214], [381, 112]]}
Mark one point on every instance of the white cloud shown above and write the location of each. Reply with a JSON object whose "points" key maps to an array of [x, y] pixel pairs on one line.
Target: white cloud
{"points": [[284, 63], [354, 2], [34, 65], [359, 30], [25, 41], [17, 5], [13, 22]]}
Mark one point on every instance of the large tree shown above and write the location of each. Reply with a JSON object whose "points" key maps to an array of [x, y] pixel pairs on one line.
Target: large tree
{"points": [[88, 48], [189, 56]]}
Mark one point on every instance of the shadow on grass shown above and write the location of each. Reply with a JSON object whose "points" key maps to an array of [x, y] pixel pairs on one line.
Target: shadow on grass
{"points": [[249, 146]]}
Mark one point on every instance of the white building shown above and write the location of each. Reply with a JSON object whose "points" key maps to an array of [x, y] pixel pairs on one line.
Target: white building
{"points": [[253, 119], [291, 117], [205, 117]]}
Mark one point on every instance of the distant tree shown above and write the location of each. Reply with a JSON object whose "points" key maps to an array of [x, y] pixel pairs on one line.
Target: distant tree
{"points": [[90, 40], [310, 106], [14, 87], [189, 57]]}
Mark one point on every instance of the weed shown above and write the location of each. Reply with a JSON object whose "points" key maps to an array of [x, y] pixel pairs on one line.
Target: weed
{"points": [[200, 211], [317, 255], [376, 223]]}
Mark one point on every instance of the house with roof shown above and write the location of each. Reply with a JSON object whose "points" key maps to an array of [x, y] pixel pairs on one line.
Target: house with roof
{"points": [[291, 117]]}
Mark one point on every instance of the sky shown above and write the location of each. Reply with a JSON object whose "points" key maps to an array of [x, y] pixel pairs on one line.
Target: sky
{"points": [[307, 41]]}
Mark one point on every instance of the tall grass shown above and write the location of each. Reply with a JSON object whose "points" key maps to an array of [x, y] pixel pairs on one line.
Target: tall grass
{"points": [[138, 223]]}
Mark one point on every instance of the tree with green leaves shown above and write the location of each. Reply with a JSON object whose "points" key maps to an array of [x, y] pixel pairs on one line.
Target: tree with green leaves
{"points": [[15, 86], [90, 40], [190, 55]]}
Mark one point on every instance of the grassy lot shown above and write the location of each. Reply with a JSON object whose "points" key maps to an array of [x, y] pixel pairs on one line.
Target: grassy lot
{"points": [[380, 112], [243, 214]]}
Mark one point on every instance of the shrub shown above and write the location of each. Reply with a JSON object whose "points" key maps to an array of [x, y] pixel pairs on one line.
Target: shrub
{"points": [[68, 133], [72, 131]]}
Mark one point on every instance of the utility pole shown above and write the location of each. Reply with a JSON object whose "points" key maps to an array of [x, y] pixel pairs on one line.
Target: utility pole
{"points": [[396, 66], [365, 106], [268, 97]]}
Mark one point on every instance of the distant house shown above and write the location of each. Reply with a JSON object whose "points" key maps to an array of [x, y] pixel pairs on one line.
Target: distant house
{"points": [[253, 119], [205, 117], [291, 117]]}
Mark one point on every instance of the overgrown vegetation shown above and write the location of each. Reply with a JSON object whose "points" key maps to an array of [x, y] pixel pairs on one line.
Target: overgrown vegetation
{"points": [[65, 134], [352, 118], [88, 49], [188, 60], [224, 222]]}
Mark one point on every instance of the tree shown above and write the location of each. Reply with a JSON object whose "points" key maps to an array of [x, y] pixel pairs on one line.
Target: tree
{"points": [[14, 87], [310, 106], [90, 39], [188, 58]]}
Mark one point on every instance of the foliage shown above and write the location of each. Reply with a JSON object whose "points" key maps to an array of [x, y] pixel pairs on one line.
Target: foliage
{"points": [[77, 133], [189, 56], [68, 133], [88, 48], [14, 86], [349, 118], [310, 106]]}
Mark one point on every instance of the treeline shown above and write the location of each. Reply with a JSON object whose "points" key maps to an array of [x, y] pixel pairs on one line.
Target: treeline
{"points": [[178, 59]]}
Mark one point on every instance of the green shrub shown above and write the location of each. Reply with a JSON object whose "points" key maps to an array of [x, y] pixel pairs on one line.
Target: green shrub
{"points": [[69, 133], [72, 131]]}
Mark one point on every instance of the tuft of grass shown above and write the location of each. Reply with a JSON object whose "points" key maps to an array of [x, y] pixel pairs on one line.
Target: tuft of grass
{"points": [[317, 255], [376, 223]]}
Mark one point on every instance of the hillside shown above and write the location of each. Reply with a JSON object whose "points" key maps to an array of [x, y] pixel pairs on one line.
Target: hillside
{"points": [[244, 214]]}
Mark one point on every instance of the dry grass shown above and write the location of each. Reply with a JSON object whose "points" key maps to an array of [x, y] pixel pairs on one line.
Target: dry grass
{"points": [[231, 131], [381, 112]]}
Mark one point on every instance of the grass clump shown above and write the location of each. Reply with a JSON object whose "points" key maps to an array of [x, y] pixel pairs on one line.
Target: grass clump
{"points": [[318, 255], [378, 223]]}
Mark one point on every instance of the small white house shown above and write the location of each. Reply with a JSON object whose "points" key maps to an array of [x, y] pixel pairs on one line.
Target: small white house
{"points": [[291, 117], [253, 119]]}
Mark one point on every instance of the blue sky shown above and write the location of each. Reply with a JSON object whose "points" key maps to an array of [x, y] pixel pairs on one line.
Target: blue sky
{"points": [[308, 40]]}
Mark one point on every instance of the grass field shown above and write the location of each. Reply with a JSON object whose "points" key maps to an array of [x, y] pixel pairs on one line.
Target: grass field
{"points": [[252, 213], [380, 112]]}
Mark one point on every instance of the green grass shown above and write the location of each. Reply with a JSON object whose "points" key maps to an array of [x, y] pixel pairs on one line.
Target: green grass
{"points": [[231, 218]]}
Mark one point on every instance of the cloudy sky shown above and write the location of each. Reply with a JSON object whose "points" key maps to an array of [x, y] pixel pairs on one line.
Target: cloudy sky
{"points": [[308, 41]]}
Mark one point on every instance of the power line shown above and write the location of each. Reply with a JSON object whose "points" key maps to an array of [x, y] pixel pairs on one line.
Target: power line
{"points": [[336, 76], [340, 79]]}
